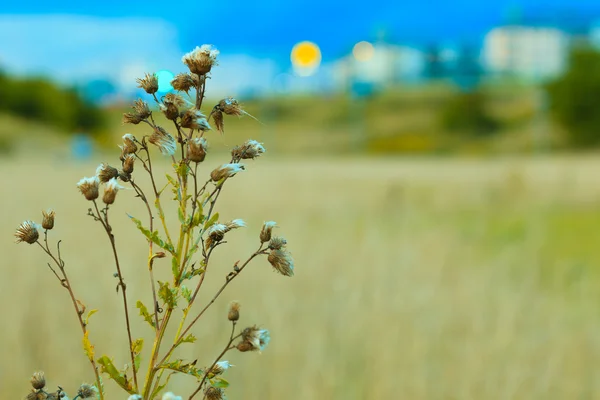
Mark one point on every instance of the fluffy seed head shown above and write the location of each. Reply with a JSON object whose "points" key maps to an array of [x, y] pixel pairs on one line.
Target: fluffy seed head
{"points": [[196, 149], [38, 380], [110, 191], [265, 233], [87, 391], [234, 311], [213, 393], [277, 242], [48, 219], [218, 118], [220, 367], [282, 261], [236, 223], [149, 83], [201, 59], [194, 119], [89, 187], [128, 162], [183, 82], [230, 106], [105, 172], [170, 105], [226, 171], [171, 396], [164, 141], [250, 149], [257, 338]]}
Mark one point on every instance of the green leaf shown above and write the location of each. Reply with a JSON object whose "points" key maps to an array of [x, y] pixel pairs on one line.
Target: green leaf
{"points": [[92, 312], [152, 236], [181, 216], [161, 387], [144, 313], [136, 348], [168, 295], [108, 367], [219, 382], [175, 266], [211, 221], [186, 293], [186, 368], [189, 339], [172, 181], [87, 346]]}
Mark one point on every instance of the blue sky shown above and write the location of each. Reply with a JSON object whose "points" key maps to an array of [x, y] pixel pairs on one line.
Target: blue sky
{"points": [[69, 37]]}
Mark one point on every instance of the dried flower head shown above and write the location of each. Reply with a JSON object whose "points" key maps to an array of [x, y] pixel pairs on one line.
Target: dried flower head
{"points": [[282, 261], [277, 242], [194, 119], [38, 380], [230, 106], [250, 149], [164, 141], [170, 105], [236, 223], [257, 338], [201, 59], [226, 171], [141, 111], [37, 395], [105, 172], [218, 118], [196, 149], [27, 232], [128, 162], [171, 396], [213, 393], [87, 391], [89, 187], [129, 146], [234, 311], [149, 83], [48, 219], [110, 191], [183, 82], [265, 233]]}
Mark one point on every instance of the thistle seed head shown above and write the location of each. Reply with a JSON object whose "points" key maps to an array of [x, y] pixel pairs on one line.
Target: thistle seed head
{"points": [[196, 149], [201, 59], [37, 395], [194, 119], [170, 105], [220, 367], [164, 141], [254, 339], [218, 118], [282, 261], [87, 391], [251, 149], [89, 187], [183, 82], [128, 162], [265, 233], [129, 146], [277, 242], [226, 171], [38, 380], [48, 219], [110, 191], [149, 83], [105, 172], [213, 393], [236, 223], [234, 311], [230, 106]]}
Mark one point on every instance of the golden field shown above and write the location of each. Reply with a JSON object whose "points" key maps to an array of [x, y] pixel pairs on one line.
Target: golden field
{"points": [[415, 279]]}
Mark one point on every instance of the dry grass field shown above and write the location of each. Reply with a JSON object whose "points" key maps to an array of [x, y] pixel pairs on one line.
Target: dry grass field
{"points": [[415, 279]]}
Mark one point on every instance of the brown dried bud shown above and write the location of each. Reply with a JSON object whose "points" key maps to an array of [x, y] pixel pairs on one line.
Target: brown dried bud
{"points": [[132, 118], [201, 59], [251, 149], [128, 162], [149, 83], [218, 118], [89, 187], [213, 393], [164, 141], [37, 395], [129, 146], [196, 149], [230, 106], [87, 391], [282, 261], [48, 219], [265, 233], [255, 338], [183, 82], [244, 347], [105, 172], [226, 171], [38, 380], [277, 242], [170, 105], [110, 191], [194, 119], [234, 311]]}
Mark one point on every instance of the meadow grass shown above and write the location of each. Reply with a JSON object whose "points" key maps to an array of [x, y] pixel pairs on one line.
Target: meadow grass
{"points": [[415, 279]]}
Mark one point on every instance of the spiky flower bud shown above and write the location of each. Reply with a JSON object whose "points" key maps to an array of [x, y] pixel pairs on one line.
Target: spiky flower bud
{"points": [[254, 339], [129, 145], [170, 105], [48, 219], [196, 149], [194, 119], [244, 347], [164, 141], [250, 149], [265, 233], [226, 171], [27, 232], [141, 111], [110, 191], [183, 82], [149, 83], [234, 311], [277, 243], [105, 172], [38, 380], [89, 187], [87, 391], [282, 261], [37, 395], [128, 162], [201, 59]]}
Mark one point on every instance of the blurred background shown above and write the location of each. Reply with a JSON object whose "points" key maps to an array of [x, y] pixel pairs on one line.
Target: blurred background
{"points": [[433, 165]]}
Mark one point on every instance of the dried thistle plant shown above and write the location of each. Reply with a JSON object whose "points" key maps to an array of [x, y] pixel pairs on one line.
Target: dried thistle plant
{"points": [[189, 249]]}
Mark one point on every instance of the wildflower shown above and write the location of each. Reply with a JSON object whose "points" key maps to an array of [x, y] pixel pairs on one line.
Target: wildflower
{"points": [[38, 380], [250, 149], [254, 338], [282, 261], [234, 311], [87, 391], [277, 243], [89, 187], [213, 393], [129, 146], [226, 171], [170, 105], [110, 191], [164, 141], [196, 149], [149, 83], [201, 59], [48, 219], [105, 172], [194, 119], [171, 396], [265, 233], [128, 161], [183, 82]]}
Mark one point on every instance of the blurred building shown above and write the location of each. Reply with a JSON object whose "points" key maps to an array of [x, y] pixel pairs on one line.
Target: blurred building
{"points": [[532, 53]]}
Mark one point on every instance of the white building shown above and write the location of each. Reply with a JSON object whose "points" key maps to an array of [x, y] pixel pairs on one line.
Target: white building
{"points": [[527, 52]]}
